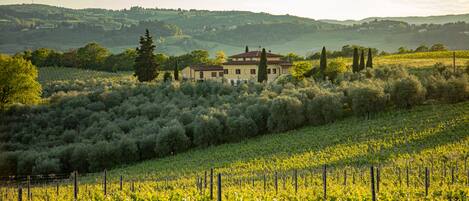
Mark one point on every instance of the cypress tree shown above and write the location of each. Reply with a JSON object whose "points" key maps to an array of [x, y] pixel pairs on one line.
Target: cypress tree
{"points": [[369, 62], [362, 61], [323, 63], [146, 68], [355, 67], [262, 75], [176, 70], [247, 49]]}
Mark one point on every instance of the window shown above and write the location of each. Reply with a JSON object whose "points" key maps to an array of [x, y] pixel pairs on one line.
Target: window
{"points": [[220, 74], [225, 71], [214, 74], [201, 75], [274, 71], [238, 71], [253, 71], [268, 71], [244, 58]]}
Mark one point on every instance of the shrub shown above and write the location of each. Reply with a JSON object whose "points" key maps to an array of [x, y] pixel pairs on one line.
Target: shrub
{"points": [[239, 128], [407, 92], [324, 108], [335, 68], [456, 90], [286, 113], [172, 139], [207, 130], [79, 157], [367, 99], [46, 165], [259, 113]]}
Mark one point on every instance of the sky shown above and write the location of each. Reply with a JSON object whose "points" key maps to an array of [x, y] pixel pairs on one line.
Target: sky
{"points": [[316, 9]]}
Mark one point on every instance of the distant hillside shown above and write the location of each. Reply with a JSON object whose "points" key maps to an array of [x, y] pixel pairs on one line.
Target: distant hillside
{"points": [[31, 26], [443, 19]]}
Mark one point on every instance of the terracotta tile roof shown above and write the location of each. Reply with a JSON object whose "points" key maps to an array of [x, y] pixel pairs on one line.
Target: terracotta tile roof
{"points": [[207, 68], [281, 63], [256, 54]]}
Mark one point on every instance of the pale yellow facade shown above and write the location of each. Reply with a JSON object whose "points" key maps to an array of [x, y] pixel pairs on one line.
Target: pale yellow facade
{"points": [[189, 73], [237, 73]]}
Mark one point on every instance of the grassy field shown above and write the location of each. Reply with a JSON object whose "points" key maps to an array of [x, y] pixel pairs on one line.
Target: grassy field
{"points": [[48, 74]]}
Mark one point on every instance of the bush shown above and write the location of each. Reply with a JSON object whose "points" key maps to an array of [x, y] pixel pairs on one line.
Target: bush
{"points": [[239, 128], [407, 92], [46, 165], [367, 99], [335, 68], [286, 113], [172, 140], [456, 90], [207, 130], [324, 108]]}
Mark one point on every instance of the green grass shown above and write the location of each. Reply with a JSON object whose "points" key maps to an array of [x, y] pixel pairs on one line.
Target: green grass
{"points": [[435, 131], [49, 74]]}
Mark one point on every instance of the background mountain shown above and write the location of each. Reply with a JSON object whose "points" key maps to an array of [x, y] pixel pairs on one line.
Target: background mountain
{"points": [[30, 26]]}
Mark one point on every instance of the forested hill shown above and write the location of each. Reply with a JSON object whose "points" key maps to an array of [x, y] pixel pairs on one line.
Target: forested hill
{"points": [[31, 26], [442, 19]]}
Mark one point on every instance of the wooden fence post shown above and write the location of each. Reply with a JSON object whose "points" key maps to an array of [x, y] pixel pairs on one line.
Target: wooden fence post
{"points": [[205, 179], [276, 182], [29, 188], [407, 175], [57, 189], [20, 193], [75, 185], [296, 180], [324, 181], [219, 197], [120, 183], [427, 181], [452, 175], [345, 177], [265, 183], [105, 183], [211, 183], [372, 180]]}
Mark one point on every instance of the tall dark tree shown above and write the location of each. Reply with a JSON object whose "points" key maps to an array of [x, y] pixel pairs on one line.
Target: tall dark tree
{"points": [[323, 63], [247, 49], [355, 65], [176, 70], [362, 61], [146, 66], [262, 75], [369, 61]]}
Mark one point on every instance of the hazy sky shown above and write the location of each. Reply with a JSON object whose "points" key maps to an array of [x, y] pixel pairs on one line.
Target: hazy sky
{"points": [[317, 9]]}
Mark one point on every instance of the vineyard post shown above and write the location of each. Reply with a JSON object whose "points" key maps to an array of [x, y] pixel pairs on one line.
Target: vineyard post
{"points": [[219, 187], [452, 175], [345, 177], [265, 183], [427, 181], [399, 176], [120, 183], [205, 179], [211, 183], [276, 182], [372, 176], [132, 186], [407, 175], [20, 193], [296, 180], [57, 189], [324, 181], [252, 181], [284, 180], [105, 183], [29, 188], [75, 185]]}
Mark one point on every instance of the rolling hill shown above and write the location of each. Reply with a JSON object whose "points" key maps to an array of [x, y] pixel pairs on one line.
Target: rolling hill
{"points": [[31, 26]]}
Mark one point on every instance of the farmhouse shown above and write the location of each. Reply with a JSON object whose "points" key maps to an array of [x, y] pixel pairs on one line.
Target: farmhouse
{"points": [[203, 72], [239, 68]]}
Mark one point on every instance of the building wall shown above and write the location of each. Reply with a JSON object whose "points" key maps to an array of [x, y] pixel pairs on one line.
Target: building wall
{"points": [[191, 74], [245, 72]]}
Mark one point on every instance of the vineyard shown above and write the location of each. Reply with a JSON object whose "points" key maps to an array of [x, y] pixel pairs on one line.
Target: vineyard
{"points": [[417, 155], [49, 74]]}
